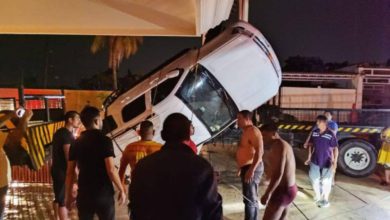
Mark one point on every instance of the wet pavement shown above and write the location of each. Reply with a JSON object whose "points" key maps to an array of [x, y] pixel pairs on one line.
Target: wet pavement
{"points": [[351, 198]]}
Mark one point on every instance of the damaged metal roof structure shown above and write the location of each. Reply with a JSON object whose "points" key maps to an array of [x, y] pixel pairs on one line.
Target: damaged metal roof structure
{"points": [[113, 17]]}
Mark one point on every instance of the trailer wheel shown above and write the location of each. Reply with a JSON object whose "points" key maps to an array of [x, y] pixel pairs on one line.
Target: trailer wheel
{"points": [[357, 158]]}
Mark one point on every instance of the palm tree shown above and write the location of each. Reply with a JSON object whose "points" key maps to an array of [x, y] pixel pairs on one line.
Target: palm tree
{"points": [[119, 47]]}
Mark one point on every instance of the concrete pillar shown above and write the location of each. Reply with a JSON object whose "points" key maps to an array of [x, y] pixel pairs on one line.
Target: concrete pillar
{"points": [[243, 13], [358, 83]]}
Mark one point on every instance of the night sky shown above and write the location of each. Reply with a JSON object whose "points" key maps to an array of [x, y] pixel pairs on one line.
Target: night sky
{"points": [[336, 31]]}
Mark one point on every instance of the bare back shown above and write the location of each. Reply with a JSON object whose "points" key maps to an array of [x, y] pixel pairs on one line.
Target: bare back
{"points": [[280, 149], [247, 148]]}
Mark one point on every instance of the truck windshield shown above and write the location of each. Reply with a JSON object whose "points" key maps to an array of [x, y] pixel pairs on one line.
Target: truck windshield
{"points": [[207, 99]]}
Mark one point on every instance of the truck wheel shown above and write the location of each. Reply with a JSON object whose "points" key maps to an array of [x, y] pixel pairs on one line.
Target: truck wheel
{"points": [[357, 158]]}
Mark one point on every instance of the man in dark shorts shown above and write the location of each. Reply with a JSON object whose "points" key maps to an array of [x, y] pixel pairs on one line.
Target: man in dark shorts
{"points": [[94, 154], [62, 140], [282, 188]]}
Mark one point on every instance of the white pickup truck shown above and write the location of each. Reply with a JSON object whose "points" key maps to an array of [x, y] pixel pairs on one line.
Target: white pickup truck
{"points": [[237, 70]]}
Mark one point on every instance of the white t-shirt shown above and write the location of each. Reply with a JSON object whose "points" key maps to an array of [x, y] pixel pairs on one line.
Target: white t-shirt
{"points": [[5, 167]]}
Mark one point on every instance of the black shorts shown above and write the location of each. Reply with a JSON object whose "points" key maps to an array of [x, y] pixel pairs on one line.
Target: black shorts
{"points": [[59, 187], [102, 206]]}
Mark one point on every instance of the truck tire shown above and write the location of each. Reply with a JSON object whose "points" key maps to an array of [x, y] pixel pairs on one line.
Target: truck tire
{"points": [[357, 158]]}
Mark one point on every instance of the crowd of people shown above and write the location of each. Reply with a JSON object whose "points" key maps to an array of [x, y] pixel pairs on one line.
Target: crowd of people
{"points": [[170, 181], [167, 181]]}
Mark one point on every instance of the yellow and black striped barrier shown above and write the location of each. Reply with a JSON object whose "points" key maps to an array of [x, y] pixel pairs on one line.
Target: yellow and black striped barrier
{"points": [[347, 129], [37, 138]]}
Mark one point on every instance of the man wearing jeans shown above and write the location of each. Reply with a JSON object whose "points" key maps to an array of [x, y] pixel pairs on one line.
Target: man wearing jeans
{"points": [[249, 159], [322, 159]]}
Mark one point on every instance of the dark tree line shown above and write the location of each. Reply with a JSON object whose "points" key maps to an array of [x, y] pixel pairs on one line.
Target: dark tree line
{"points": [[316, 64], [311, 64], [103, 81]]}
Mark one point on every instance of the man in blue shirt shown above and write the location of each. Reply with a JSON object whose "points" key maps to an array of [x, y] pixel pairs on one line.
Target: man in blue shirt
{"points": [[332, 125], [322, 158]]}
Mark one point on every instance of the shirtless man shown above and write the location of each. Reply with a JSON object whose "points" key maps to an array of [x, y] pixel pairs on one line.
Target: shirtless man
{"points": [[249, 159], [282, 189]]}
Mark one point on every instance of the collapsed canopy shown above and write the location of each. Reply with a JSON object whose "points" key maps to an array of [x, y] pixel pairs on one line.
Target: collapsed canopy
{"points": [[112, 17]]}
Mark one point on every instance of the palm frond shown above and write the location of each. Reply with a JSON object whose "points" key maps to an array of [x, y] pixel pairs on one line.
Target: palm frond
{"points": [[119, 47], [98, 43]]}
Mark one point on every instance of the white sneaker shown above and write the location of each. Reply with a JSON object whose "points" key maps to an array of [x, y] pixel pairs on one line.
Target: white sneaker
{"points": [[323, 204], [261, 206]]}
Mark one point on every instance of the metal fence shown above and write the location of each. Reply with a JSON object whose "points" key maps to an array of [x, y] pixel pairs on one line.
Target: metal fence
{"points": [[363, 117], [26, 175]]}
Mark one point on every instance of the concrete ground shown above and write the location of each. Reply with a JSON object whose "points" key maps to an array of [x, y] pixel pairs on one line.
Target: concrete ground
{"points": [[351, 198]]}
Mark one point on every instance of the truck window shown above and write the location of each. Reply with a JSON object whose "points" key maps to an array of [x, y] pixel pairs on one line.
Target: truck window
{"points": [[134, 108], [162, 90], [207, 99]]}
